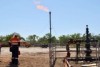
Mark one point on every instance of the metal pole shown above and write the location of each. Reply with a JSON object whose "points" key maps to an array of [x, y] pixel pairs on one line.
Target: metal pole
{"points": [[50, 25], [50, 46]]}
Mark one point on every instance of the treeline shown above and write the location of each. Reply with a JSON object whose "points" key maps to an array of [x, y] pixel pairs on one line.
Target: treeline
{"points": [[36, 40]]}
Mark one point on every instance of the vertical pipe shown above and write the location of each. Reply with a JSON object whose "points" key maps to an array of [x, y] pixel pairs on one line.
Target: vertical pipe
{"points": [[87, 46], [50, 47], [50, 25]]}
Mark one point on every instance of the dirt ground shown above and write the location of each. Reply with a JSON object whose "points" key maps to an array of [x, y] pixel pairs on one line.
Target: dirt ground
{"points": [[31, 57]]}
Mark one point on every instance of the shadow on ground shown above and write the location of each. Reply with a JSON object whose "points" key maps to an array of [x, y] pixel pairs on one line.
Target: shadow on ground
{"points": [[11, 65]]}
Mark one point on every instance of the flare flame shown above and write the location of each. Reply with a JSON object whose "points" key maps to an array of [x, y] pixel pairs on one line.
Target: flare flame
{"points": [[38, 5]]}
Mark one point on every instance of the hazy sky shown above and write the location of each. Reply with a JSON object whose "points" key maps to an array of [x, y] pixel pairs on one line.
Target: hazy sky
{"points": [[68, 16]]}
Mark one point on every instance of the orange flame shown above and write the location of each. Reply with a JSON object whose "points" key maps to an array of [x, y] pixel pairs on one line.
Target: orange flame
{"points": [[41, 7], [38, 5]]}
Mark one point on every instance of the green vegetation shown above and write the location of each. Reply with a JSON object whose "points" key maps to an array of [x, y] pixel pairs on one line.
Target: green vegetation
{"points": [[36, 40]]}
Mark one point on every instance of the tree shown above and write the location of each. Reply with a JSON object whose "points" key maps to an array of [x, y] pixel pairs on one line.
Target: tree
{"points": [[75, 36], [32, 39], [43, 40], [2, 39], [64, 39], [7, 38], [46, 39], [97, 37]]}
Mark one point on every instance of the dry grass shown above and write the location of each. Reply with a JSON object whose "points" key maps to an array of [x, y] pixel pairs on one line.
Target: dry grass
{"points": [[30, 60], [32, 57]]}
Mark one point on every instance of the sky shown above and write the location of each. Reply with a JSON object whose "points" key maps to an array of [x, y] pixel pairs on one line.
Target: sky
{"points": [[28, 17]]}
